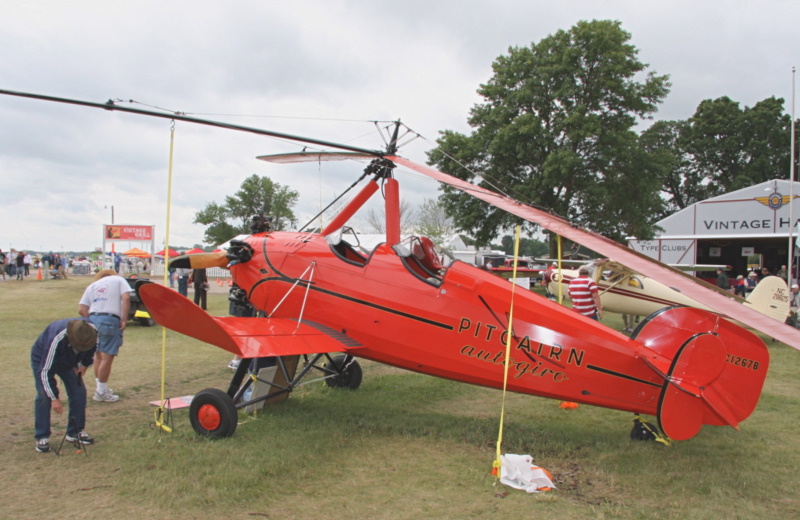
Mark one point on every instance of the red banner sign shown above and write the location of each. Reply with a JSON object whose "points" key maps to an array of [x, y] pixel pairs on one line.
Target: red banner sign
{"points": [[114, 232]]}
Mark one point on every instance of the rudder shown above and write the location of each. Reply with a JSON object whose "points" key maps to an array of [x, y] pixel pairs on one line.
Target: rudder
{"points": [[771, 298], [713, 369]]}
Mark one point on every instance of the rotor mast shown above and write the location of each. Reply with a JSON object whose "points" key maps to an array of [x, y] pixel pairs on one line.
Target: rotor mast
{"points": [[392, 194], [380, 169]]}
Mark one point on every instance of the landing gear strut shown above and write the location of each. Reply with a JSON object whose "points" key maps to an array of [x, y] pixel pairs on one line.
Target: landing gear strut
{"points": [[214, 413]]}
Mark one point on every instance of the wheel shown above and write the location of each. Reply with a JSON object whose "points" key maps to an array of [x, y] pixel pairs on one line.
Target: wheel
{"points": [[213, 414], [350, 377], [146, 322]]}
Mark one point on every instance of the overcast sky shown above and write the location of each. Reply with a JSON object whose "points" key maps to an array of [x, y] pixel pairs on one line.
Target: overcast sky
{"points": [[318, 68]]}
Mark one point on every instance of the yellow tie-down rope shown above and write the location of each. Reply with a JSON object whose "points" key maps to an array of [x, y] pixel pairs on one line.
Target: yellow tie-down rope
{"points": [[159, 413], [496, 464], [560, 273]]}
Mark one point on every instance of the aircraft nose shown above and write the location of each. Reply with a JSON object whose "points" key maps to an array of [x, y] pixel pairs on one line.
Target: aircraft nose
{"points": [[239, 252], [200, 261]]}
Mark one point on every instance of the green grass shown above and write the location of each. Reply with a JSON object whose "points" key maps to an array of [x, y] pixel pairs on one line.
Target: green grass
{"points": [[402, 446]]}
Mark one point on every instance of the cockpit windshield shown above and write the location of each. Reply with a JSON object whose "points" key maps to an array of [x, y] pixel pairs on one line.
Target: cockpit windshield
{"points": [[420, 257]]}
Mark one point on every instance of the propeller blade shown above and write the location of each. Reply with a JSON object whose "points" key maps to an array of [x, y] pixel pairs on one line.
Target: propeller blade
{"points": [[299, 157], [200, 260]]}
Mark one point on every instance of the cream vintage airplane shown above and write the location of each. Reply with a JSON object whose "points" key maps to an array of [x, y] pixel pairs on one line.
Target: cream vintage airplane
{"points": [[625, 291]]}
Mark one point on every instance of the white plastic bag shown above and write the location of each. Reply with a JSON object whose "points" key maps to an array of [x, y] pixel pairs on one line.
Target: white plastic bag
{"points": [[519, 472]]}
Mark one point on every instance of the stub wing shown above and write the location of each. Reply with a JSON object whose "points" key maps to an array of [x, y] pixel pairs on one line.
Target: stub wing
{"points": [[246, 337]]}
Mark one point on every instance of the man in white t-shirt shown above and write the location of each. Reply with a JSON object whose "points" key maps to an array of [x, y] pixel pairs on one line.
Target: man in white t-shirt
{"points": [[106, 302]]}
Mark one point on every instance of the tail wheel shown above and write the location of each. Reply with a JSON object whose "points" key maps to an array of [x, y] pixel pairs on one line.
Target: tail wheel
{"points": [[348, 372], [213, 413]]}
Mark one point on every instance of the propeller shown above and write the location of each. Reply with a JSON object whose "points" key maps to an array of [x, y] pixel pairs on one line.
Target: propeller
{"points": [[200, 260]]}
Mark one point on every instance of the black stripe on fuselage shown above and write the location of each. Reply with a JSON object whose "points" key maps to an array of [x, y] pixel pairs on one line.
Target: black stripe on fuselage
{"points": [[283, 278], [359, 301], [621, 375]]}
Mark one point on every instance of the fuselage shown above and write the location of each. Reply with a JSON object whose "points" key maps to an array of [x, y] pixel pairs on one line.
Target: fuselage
{"points": [[632, 294], [452, 324]]}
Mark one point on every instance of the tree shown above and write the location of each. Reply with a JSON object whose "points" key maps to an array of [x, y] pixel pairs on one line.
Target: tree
{"points": [[256, 195], [376, 219], [527, 246], [731, 148], [681, 184], [432, 221], [556, 129], [721, 148]]}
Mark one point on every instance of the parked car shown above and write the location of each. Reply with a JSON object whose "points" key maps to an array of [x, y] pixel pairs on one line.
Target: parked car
{"points": [[138, 311]]}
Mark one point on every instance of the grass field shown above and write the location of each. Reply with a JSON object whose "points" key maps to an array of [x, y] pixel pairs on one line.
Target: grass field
{"points": [[402, 446]]}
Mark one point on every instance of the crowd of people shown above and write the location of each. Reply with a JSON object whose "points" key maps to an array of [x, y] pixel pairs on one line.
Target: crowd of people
{"points": [[18, 264], [743, 285], [15, 264]]}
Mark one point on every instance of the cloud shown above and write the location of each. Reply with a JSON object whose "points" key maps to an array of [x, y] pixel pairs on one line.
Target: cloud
{"points": [[324, 69]]}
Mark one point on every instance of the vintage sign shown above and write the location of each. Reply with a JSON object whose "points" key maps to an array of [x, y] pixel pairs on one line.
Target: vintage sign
{"points": [[126, 232]]}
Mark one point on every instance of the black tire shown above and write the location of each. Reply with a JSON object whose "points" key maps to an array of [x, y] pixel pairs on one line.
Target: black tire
{"points": [[213, 414], [146, 322], [350, 377]]}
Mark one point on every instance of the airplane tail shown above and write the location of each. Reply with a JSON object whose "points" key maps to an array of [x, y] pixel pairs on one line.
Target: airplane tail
{"points": [[771, 298], [713, 369]]}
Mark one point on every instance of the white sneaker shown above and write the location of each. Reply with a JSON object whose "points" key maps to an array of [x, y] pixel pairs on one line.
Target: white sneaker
{"points": [[106, 397], [82, 437], [234, 364]]}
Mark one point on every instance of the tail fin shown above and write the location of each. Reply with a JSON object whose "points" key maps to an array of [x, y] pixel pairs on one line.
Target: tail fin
{"points": [[771, 298], [713, 369]]}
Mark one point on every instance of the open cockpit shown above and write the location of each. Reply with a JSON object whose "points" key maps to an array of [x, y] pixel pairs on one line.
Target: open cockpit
{"points": [[419, 256], [344, 249], [417, 253]]}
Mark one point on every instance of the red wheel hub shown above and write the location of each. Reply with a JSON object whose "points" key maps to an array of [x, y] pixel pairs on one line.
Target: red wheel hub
{"points": [[208, 417]]}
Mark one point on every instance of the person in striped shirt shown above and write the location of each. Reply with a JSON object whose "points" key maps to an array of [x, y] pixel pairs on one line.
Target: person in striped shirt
{"points": [[584, 295]]}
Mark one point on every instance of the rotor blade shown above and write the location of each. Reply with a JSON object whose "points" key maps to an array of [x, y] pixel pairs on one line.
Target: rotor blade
{"points": [[701, 267], [200, 260], [299, 157], [177, 116], [564, 262], [690, 286]]}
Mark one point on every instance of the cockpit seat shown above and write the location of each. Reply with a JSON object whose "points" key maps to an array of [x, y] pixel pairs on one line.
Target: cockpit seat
{"points": [[425, 252]]}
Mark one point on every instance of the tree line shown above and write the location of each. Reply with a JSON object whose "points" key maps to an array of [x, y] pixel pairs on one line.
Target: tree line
{"points": [[558, 127]]}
